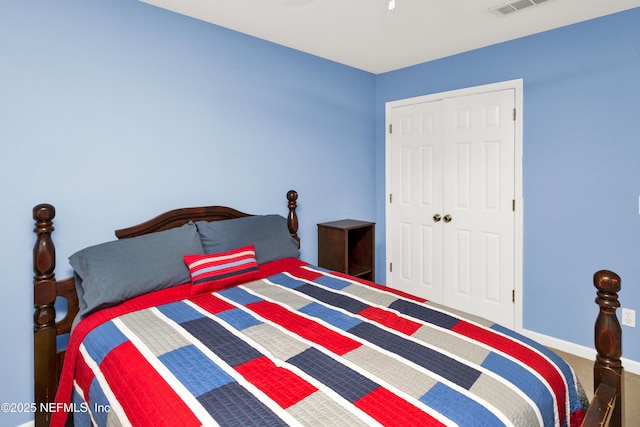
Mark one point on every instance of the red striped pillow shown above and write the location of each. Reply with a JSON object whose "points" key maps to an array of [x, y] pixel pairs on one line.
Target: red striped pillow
{"points": [[215, 271]]}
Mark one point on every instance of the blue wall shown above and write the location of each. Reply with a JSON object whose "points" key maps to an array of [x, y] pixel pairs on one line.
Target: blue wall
{"points": [[581, 151], [116, 111]]}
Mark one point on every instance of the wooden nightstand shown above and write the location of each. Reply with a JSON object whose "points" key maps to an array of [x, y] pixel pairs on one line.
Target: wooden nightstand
{"points": [[348, 246]]}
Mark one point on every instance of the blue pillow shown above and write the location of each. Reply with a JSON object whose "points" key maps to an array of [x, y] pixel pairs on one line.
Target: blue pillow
{"points": [[113, 272], [268, 233]]}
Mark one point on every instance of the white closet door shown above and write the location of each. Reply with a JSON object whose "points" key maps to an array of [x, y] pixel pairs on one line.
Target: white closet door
{"points": [[478, 195], [417, 197], [451, 221]]}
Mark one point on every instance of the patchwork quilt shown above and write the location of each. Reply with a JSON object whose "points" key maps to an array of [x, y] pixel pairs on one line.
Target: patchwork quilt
{"points": [[309, 347]]}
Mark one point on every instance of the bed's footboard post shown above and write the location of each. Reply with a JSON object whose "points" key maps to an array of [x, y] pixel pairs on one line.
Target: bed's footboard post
{"points": [[292, 218], [608, 340], [44, 296]]}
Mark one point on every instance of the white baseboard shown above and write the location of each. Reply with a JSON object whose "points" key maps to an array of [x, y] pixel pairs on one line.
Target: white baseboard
{"points": [[28, 424], [578, 350]]}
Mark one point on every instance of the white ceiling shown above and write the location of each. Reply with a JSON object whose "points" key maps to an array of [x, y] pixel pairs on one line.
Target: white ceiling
{"points": [[364, 34]]}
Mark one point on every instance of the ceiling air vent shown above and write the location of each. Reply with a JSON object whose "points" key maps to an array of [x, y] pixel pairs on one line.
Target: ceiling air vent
{"points": [[514, 6]]}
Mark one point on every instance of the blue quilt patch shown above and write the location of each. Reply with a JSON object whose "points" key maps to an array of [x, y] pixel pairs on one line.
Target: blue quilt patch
{"points": [[100, 341], [197, 372]]}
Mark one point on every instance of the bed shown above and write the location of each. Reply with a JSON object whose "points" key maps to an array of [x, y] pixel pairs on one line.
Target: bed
{"points": [[248, 334]]}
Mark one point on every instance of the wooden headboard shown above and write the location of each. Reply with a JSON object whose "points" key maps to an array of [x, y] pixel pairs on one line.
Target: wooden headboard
{"points": [[179, 217], [48, 359]]}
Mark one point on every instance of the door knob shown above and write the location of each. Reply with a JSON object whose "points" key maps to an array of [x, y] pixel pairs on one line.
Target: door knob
{"points": [[448, 218], [437, 218]]}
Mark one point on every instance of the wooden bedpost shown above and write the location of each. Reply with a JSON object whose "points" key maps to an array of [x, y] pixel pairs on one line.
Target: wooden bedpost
{"points": [[607, 369], [292, 218], [44, 327]]}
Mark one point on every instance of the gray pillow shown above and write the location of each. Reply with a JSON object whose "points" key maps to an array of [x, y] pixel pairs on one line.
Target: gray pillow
{"points": [[113, 272], [268, 233]]}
